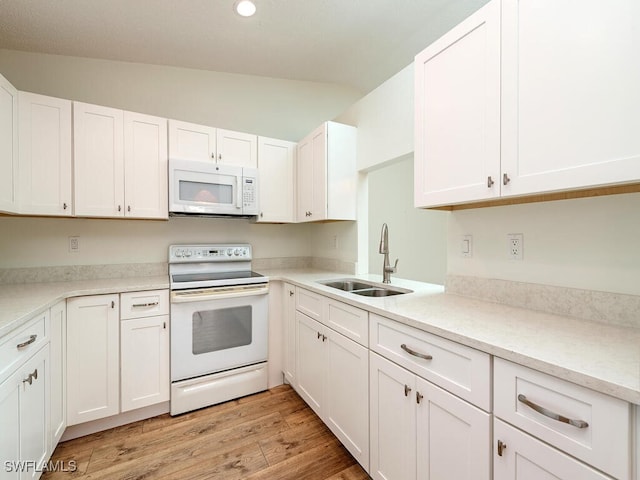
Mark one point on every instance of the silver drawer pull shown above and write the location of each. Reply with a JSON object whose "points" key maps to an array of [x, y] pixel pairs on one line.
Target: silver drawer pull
{"points": [[552, 415], [416, 354], [140, 305], [32, 338]]}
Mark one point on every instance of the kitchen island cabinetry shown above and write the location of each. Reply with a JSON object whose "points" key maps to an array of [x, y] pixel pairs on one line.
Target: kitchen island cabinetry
{"points": [[8, 146], [93, 359], [45, 155], [326, 174], [332, 377], [276, 167], [190, 141], [506, 99], [120, 163]]}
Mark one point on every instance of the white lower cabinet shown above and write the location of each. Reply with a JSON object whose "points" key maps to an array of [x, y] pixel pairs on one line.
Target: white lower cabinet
{"points": [[419, 431], [519, 456], [331, 375], [289, 330], [93, 363], [144, 358]]}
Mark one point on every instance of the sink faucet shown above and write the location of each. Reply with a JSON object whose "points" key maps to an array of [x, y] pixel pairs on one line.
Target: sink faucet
{"points": [[387, 269]]}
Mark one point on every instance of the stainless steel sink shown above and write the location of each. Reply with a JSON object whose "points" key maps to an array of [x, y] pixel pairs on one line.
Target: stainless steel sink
{"points": [[365, 289]]}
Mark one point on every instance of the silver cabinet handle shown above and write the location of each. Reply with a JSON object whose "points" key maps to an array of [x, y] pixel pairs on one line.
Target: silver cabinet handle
{"points": [[291, 293], [32, 338], [324, 338], [419, 397], [128, 208], [119, 208], [141, 305], [64, 206], [550, 414], [113, 304], [501, 447], [490, 182], [407, 389], [32, 376], [505, 179], [319, 335], [416, 354]]}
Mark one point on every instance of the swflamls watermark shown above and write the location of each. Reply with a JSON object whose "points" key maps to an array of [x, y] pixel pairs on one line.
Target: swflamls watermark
{"points": [[23, 466]]}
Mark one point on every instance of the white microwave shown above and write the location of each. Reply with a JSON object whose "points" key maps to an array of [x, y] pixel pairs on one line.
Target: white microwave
{"points": [[203, 188]]}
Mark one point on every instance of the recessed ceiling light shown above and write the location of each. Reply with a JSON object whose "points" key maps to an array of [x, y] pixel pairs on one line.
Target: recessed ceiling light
{"points": [[244, 8]]}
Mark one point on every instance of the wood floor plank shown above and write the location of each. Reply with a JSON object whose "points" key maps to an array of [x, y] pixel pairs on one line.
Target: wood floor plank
{"points": [[271, 435]]}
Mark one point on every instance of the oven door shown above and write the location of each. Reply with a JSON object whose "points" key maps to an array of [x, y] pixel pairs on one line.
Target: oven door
{"points": [[203, 188], [216, 329]]}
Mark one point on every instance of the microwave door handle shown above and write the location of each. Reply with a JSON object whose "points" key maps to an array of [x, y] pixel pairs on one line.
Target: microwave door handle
{"points": [[239, 192]]}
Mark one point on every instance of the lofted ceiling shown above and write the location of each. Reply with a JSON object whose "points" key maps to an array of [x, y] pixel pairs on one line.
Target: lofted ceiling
{"points": [[355, 43]]}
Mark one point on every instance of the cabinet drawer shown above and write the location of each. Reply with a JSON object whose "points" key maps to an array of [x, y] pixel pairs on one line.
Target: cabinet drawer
{"points": [[19, 345], [309, 303], [600, 435], [461, 370], [144, 304], [350, 321]]}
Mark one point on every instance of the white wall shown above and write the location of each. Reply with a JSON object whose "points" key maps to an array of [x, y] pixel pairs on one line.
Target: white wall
{"points": [[271, 107], [589, 243], [278, 108], [417, 237]]}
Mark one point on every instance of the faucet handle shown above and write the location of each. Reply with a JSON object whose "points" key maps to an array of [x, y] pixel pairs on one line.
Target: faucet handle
{"points": [[395, 266]]}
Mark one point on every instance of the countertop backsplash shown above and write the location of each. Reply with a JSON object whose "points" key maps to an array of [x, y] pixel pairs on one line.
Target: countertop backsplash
{"points": [[603, 307]]}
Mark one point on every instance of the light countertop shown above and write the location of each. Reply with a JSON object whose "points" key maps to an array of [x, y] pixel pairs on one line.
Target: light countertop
{"points": [[603, 357]]}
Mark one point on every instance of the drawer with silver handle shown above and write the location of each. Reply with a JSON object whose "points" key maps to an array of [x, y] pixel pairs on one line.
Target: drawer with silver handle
{"points": [[461, 370], [144, 304], [19, 345], [588, 425]]}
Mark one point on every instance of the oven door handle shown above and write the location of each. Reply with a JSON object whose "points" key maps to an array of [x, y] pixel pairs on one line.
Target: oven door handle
{"points": [[200, 295]]}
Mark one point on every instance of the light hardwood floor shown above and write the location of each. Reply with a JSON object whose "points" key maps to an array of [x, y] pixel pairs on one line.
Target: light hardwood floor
{"points": [[271, 435]]}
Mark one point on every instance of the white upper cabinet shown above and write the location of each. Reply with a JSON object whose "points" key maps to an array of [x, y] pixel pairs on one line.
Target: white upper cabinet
{"points": [[120, 163], [45, 155], [528, 97], [8, 146], [570, 97], [145, 166], [326, 174], [237, 148], [190, 141], [98, 160], [276, 167], [457, 127]]}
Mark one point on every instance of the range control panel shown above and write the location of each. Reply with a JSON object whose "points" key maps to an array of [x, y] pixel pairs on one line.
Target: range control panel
{"points": [[209, 253]]}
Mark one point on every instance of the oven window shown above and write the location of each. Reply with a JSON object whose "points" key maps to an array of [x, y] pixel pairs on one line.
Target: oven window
{"points": [[221, 329], [200, 192]]}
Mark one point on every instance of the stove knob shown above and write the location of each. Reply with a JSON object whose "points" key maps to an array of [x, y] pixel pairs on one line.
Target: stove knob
{"points": [[230, 251], [177, 253], [237, 252], [187, 253]]}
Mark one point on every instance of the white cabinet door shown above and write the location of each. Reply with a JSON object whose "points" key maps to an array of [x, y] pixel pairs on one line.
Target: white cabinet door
{"points": [[58, 366], [453, 436], [10, 391], [45, 155], [312, 176], [570, 98], [289, 319], [145, 160], [8, 146], [98, 160], [93, 358], [346, 407], [189, 141], [237, 148], [392, 420], [276, 166], [144, 359], [517, 456], [304, 183], [310, 366], [34, 411], [457, 107]]}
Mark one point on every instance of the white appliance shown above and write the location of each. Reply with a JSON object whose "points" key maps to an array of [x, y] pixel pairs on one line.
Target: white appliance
{"points": [[203, 188], [219, 325]]}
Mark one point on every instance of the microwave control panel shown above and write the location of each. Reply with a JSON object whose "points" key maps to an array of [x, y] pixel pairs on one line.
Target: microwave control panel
{"points": [[249, 195]]}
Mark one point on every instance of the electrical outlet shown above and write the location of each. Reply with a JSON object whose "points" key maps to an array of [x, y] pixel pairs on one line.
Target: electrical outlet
{"points": [[466, 246], [74, 244], [515, 246]]}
